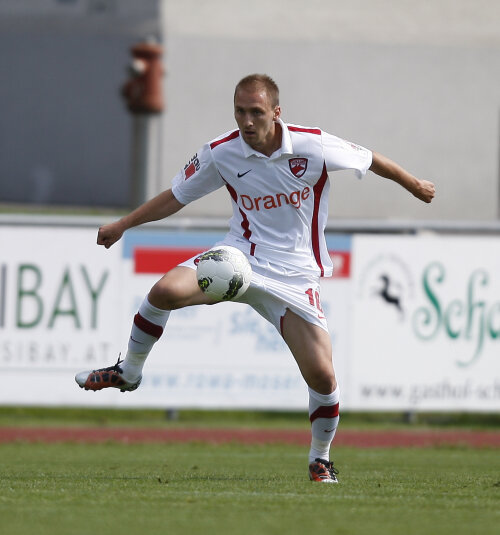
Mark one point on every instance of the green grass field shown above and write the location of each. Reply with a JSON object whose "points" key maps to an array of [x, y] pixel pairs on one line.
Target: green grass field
{"points": [[194, 488]]}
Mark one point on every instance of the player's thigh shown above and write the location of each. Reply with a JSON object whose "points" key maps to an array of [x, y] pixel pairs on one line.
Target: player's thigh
{"points": [[312, 349], [177, 289]]}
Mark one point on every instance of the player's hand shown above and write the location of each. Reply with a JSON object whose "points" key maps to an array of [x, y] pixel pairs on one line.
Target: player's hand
{"points": [[109, 234], [425, 191]]}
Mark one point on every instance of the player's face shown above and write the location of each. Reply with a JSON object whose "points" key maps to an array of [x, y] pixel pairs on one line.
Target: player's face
{"points": [[256, 118]]}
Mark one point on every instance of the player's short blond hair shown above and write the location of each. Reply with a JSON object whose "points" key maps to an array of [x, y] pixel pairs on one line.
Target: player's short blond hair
{"points": [[261, 80]]}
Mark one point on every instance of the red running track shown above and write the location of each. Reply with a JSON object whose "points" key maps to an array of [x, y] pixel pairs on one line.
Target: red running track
{"points": [[346, 437]]}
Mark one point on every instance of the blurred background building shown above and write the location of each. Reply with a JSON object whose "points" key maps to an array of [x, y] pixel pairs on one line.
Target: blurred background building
{"points": [[418, 82]]}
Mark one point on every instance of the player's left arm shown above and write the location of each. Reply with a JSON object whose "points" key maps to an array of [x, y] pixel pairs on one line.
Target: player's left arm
{"points": [[383, 166]]}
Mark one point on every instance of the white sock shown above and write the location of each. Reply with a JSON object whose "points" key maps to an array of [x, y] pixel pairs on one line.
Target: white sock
{"points": [[324, 417], [147, 328]]}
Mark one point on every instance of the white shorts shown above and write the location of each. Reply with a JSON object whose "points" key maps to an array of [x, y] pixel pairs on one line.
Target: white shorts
{"points": [[271, 294]]}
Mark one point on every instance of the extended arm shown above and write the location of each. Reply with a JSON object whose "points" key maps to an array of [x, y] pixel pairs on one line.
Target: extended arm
{"points": [[383, 166], [159, 207]]}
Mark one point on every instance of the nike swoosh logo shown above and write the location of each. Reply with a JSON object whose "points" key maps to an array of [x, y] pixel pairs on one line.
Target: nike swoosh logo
{"points": [[243, 174]]}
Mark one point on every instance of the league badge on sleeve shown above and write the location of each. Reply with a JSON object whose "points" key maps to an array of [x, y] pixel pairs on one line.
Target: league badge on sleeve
{"points": [[191, 167], [298, 166]]}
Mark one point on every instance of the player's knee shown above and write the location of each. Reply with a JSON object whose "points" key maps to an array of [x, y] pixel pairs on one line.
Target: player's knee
{"points": [[168, 295], [323, 382]]}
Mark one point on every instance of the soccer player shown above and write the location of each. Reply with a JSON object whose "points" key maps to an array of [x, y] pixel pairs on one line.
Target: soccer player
{"points": [[276, 175]]}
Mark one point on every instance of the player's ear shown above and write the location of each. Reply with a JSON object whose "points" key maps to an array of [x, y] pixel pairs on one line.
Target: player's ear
{"points": [[277, 113]]}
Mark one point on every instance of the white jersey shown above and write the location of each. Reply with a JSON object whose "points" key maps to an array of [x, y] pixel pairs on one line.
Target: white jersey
{"points": [[280, 203]]}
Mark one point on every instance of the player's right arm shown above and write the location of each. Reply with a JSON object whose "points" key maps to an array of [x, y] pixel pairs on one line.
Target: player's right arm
{"points": [[159, 207], [384, 167]]}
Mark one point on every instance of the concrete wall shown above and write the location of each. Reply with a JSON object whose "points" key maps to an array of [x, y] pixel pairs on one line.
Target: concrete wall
{"points": [[418, 82], [64, 131]]}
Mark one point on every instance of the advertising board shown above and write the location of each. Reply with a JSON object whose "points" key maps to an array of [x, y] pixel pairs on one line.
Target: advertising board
{"points": [[414, 323], [426, 323]]}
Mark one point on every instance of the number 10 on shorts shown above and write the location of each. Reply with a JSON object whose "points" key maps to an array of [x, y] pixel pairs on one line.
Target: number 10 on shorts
{"points": [[314, 299]]}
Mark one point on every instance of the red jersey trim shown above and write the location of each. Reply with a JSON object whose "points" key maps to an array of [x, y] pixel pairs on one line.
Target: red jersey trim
{"points": [[315, 230], [245, 223], [316, 131], [231, 136]]}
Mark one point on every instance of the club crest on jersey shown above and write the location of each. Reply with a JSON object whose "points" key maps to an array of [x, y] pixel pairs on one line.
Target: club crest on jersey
{"points": [[298, 166]]}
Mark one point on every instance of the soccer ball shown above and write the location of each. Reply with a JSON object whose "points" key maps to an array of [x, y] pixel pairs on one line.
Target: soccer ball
{"points": [[223, 273]]}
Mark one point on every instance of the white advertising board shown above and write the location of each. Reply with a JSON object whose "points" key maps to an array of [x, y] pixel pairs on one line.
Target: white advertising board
{"points": [[58, 299], [67, 304], [414, 322], [426, 323], [213, 356]]}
